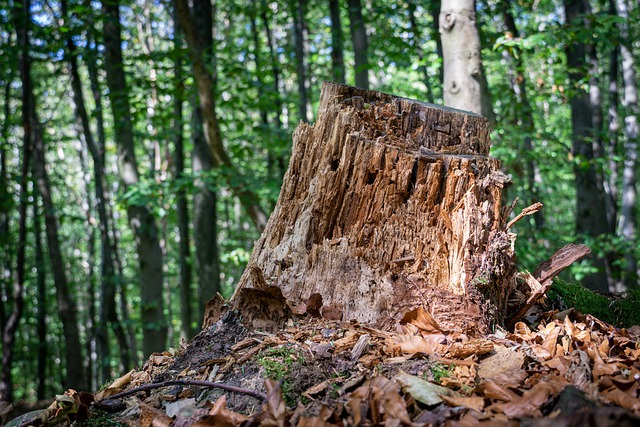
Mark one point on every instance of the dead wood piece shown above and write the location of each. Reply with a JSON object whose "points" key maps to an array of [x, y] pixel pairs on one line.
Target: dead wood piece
{"points": [[559, 261], [542, 278], [360, 347]]}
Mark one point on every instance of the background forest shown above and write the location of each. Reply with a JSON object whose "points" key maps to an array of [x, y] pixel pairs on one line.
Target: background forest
{"points": [[143, 144]]}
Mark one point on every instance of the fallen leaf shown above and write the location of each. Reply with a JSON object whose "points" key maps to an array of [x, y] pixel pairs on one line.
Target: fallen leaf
{"points": [[421, 390]]}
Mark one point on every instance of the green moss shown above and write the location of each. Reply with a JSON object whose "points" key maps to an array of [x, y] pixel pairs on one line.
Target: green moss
{"points": [[622, 312], [277, 363]]}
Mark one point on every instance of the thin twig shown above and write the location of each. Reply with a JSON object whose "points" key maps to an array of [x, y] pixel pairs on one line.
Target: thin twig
{"points": [[526, 211], [151, 386]]}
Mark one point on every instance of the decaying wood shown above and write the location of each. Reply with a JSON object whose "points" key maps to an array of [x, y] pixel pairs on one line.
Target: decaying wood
{"points": [[540, 281], [388, 204]]}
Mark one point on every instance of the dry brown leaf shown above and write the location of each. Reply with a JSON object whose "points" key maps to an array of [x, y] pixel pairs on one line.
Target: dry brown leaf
{"points": [[422, 319], [551, 340], [528, 405], [503, 360], [492, 390], [620, 398], [474, 402], [152, 417], [276, 407]]}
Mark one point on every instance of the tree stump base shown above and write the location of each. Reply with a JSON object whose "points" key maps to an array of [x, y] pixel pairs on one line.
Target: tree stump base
{"points": [[389, 204]]}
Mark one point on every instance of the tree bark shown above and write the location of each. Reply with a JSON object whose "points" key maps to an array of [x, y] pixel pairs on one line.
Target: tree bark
{"points": [[143, 224], [389, 204], [22, 19], [591, 217], [41, 317], [205, 215], [417, 46], [337, 43], [465, 85], [182, 205], [299, 11], [107, 312], [206, 86], [75, 377], [630, 102], [524, 117], [360, 43]]}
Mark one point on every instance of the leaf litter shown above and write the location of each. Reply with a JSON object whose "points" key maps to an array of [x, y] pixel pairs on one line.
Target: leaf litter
{"points": [[567, 369]]}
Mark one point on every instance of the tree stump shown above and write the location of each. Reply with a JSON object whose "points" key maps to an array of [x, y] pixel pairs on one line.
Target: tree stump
{"points": [[388, 204]]}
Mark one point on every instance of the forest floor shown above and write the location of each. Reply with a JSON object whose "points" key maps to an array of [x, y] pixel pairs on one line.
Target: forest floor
{"points": [[563, 369]]}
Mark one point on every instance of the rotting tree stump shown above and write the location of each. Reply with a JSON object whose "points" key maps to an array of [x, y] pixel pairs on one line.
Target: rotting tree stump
{"points": [[388, 204]]}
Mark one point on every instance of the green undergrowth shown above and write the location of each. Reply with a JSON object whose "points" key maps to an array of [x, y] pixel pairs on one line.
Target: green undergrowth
{"points": [[618, 311]]}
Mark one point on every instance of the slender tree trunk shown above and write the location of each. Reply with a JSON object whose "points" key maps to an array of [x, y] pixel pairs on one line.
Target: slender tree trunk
{"points": [[417, 46], [90, 292], [337, 43], [182, 208], [280, 132], [590, 208], [630, 102], [22, 19], [110, 226], [206, 86], [360, 43], [299, 12], [434, 10], [75, 377], [6, 260], [143, 224], [465, 85], [205, 230], [275, 69], [107, 314], [41, 316], [524, 116], [611, 181]]}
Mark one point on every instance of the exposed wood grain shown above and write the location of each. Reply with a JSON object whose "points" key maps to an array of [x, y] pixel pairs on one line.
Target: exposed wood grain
{"points": [[389, 204]]}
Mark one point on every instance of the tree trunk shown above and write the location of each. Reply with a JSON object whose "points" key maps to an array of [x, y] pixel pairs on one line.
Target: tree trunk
{"points": [[41, 317], [337, 43], [205, 219], [107, 312], [22, 19], [465, 85], [524, 117], [360, 43], [182, 205], [417, 46], [591, 217], [434, 10], [298, 12], [206, 86], [75, 377], [613, 128], [630, 102], [389, 204], [143, 224]]}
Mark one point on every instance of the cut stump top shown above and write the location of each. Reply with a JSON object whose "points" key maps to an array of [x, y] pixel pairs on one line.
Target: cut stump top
{"points": [[418, 124]]}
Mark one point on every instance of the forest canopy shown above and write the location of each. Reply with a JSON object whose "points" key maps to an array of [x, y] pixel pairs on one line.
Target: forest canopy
{"points": [[143, 144]]}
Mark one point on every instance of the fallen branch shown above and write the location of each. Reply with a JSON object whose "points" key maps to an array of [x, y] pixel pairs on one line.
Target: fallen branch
{"points": [[152, 386]]}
